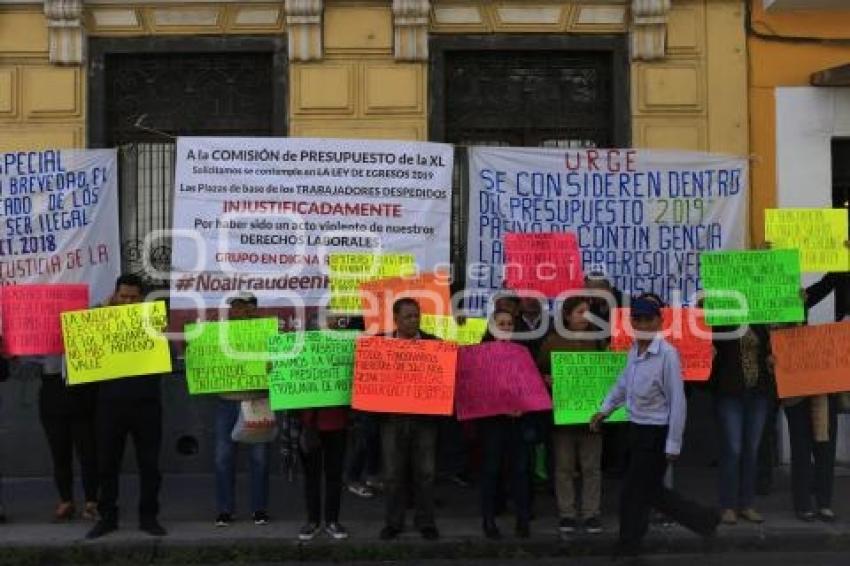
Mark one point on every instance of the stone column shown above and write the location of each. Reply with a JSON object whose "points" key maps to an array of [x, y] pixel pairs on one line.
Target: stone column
{"points": [[410, 20], [304, 27], [66, 31], [649, 29]]}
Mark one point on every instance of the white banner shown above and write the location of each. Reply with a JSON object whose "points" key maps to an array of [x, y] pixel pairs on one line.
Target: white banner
{"points": [[263, 214], [60, 218], [641, 216]]}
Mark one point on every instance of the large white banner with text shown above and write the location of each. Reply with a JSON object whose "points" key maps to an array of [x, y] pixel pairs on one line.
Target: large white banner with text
{"points": [[641, 216], [263, 214], [60, 218]]}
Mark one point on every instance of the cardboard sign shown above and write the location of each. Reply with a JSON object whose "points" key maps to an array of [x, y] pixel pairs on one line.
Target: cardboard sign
{"points": [[414, 377], [685, 329], [228, 356], [769, 281], [348, 271], [547, 263], [431, 291], [498, 378], [30, 315], [581, 381], [115, 342], [819, 234], [446, 327], [311, 369], [812, 360]]}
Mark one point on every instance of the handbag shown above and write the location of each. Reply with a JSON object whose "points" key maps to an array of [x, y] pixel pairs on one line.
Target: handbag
{"points": [[256, 423]]}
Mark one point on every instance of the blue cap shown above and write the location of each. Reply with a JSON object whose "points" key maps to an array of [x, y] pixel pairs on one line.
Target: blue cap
{"points": [[645, 307]]}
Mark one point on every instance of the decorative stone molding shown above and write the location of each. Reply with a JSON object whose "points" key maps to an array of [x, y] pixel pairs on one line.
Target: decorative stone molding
{"points": [[66, 31], [649, 29], [304, 24], [410, 20]]}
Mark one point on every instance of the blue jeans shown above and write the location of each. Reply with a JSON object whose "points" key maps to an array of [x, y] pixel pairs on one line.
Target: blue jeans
{"points": [[227, 413], [741, 419]]}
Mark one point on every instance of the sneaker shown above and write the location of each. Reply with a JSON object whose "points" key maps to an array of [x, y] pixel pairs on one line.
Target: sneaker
{"points": [[389, 533], [729, 517], [806, 516], [593, 525], [826, 515], [90, 511], [308, 532], [153, 528], [336, 531], [752, 516], [567, 525], [375, 485], [102, 528], [261, 518], [361, 490], [223, 520], [430, 533]]}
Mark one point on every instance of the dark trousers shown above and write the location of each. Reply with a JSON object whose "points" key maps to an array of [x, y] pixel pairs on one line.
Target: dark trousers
{"points": [[365, 451], [68, 419], [812, 463], [326, 462], [643, 489], [409, 442], [142, 421], [502, 442]]}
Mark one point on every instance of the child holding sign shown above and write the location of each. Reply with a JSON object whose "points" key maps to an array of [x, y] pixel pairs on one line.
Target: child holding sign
{"points": [[575, 447]]}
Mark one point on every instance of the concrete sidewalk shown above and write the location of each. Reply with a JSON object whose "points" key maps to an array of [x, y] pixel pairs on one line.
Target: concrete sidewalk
{"points": [[188, 511]]}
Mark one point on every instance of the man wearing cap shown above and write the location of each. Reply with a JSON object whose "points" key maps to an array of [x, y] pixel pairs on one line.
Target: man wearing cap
{"points": [[243, 306], [652, 390]]}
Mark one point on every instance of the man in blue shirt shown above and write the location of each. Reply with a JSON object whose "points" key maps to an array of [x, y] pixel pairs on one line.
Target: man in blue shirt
{"points": [[652, 390]]}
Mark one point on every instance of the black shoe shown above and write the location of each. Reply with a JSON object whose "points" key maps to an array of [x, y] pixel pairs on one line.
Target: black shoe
{"points": [[522, 530], [223, 520], [261, 518], [102, 528], [593, 525], [309, 531], [153, 528], [430, 533], [491, 531], [389, 533], [807, 516], [567, 526]]}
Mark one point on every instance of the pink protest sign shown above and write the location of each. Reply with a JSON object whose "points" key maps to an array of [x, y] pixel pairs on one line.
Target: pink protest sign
{"points": [[30, 315], [498, 378], [548, 263]]}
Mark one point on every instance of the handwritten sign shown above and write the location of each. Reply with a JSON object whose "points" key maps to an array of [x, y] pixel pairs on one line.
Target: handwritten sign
{"points": [[819, 234], [115, 342], [349, 270], [228, 356], [812, 360], [685, 329], [581, 380], [431, 291], [769, 281], [311, 369], [446, 327], [30, 314], [498, 378], [404, 376], [548, 263]]}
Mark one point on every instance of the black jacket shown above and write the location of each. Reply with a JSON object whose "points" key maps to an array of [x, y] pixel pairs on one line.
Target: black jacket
{"points": [[839, 283]]}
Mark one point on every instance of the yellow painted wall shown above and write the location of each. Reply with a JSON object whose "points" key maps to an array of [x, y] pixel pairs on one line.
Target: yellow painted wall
{"points": [[775, 63], [40, 105]]}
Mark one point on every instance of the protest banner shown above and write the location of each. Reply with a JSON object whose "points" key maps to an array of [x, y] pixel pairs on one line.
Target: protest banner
{"points": [[447, 328], [581, 380], [430, 290], [311, 369], [548, 263], [115, 342], [61, 218], [819, 234], [415, 377], [684, 328], [30, 315], [348, 271], [769, 282], [228, 356], [640, 216], [269, 212], [812, 360], [498, 378]]}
